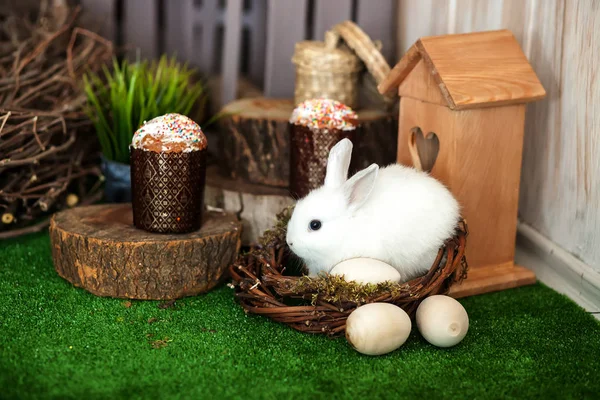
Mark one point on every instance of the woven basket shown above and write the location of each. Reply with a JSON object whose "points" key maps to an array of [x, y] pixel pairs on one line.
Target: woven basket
{"points": [[322, 305], [332, 68], [324, 71]]}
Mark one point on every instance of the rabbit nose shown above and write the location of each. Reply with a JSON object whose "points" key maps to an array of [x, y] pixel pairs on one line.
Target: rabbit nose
{"points": [[290, 244]]}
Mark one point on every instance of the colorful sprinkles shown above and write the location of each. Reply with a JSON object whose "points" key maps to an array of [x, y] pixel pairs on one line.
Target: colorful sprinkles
{"points": [[169, 133], [324, 114]]}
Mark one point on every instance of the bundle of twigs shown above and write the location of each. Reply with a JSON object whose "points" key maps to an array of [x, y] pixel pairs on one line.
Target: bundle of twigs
{"points": [[322, 305], [48, 158]]}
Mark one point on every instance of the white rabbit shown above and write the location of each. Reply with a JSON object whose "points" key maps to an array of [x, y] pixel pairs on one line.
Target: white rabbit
{"points": [[395, 214]]}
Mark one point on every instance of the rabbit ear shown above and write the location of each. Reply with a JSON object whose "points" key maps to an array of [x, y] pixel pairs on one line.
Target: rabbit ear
{"points": [[338, 163], [360, 186]]}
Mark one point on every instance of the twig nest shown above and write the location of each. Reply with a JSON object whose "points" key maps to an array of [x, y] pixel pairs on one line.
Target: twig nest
{"points": [[366, 270], [442, 321], [377, 328]]}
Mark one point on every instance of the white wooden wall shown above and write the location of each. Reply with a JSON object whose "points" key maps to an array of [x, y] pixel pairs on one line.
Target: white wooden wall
{"points": [[560, 184]]}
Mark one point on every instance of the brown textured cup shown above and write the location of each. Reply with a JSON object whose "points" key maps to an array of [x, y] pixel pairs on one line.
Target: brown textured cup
{"points": [[168, 190], [309, 151]]}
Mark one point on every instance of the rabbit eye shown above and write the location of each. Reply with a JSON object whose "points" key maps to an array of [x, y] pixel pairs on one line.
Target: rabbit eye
{"points": [[315, 225]]}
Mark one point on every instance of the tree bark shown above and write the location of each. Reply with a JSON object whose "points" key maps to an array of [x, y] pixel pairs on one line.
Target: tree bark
{"points": [[254, 144], [98, 248]]}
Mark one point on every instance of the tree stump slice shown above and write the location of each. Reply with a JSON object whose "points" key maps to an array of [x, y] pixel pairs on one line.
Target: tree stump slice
{"points": [[254, 144], [255, 205], [99, 249]]}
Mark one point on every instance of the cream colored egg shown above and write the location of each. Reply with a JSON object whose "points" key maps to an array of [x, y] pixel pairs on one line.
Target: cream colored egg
{"points": [[366, 270], [377, 328], [442, 321]]}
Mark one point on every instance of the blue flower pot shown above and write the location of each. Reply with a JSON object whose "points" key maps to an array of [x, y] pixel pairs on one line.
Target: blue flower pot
{"points": [[117, 188]]}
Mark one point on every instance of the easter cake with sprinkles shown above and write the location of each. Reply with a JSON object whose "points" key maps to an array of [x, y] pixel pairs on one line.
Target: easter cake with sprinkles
{"points": [[324, 115], [169, 133]]}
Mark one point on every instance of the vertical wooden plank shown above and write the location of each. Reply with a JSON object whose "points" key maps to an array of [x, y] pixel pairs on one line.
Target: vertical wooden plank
{"points": [[477, 15], [204, 27], [561, 176], [432, 17], [140, 27], [177, 23], [378, 23], [329, 13], [543, 119], [256, 21], [285, 27], [515, 16], [99, 16], [231, 55], [417, 19]]}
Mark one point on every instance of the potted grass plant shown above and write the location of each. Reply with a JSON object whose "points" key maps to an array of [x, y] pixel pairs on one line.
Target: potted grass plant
{"points": [[121, 98]]}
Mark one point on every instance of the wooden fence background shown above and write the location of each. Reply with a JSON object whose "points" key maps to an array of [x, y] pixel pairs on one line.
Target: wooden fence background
{"points": [[254, 38]]}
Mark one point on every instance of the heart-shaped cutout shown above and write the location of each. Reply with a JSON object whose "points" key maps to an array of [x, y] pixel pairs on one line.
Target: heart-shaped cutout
{"points": [[423, 149]]}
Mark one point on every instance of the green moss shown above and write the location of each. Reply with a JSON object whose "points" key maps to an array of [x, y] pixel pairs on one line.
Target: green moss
{"points": [[57, 341], [276, 235], [334, 289]]}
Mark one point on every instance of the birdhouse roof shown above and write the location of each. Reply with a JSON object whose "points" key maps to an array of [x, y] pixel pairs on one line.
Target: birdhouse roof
{"points": [[469, 70]]}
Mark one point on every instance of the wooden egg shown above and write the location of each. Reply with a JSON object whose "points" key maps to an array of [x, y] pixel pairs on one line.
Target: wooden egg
{"points": [[366, 270], [377, 328], [442, 321]]}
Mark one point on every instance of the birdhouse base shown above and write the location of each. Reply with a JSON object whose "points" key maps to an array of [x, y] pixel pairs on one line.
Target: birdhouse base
{"points": [[493, 278]]}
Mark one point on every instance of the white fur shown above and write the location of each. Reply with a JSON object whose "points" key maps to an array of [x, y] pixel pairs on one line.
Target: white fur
{"points": [[395, 214]]}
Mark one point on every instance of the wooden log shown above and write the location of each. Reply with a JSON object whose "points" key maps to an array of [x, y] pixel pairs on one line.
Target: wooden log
{"points": [[98, 248], [254, 143], [255, 205], [376, 140]]}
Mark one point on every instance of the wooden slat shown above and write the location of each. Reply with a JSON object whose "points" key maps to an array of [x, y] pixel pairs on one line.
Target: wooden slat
{"points": [[140, 27], [204, 31], [100, 16], [458, 16], [231, 55], [475, 15], [378, 24], [420, 18], [327, 14], [542, 145], [256, 19], [285, 27], [178, 23]]}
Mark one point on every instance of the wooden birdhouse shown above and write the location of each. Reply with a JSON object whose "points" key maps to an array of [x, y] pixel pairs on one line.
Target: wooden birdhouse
{"points": [[462, 117]]}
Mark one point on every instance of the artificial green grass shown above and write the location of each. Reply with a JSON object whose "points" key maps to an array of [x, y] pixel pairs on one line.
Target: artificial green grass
{"points": [[57, 341]]}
